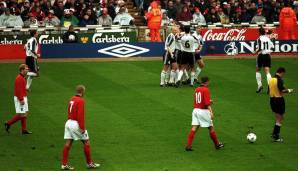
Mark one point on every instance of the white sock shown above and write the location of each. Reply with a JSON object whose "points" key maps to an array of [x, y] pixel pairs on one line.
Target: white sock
{"points": [[192, 77], [172, 76], [167, 77], [259, 79], [29, 81], [198, 71], [268, 77], [162, 77], [176, 77], [186, 74], [180, 75]]}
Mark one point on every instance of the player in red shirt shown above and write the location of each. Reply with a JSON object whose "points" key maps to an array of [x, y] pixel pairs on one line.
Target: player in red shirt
{"points": [[75, 129], [202, 114], [20, 101]]}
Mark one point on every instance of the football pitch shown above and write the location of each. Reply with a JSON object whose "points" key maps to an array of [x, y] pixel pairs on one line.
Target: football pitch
{"points": [[136, 125]]}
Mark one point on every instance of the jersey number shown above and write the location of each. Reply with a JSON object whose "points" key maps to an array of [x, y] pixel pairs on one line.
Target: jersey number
{"points": [[186, 44], [198, 97], [71, 104], [265, 45]]}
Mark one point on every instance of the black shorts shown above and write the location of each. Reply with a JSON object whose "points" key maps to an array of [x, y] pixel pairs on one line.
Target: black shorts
{"points": [[197, 56], [31, 62], [278, 105], [187, 58], [177, 54], [263, 60], [168, 59]]}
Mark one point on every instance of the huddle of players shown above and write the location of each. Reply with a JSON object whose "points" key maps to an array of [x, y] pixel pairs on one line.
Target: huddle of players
{"points": [[182, 52]]}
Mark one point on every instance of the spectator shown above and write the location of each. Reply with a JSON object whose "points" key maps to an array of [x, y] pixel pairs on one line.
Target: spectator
{"points": [[154, 17], [165, 20], [89, 17], [8, 19], [105, 19], [25, 10], [111, 9], [70, 36], [258, 17], [68, 19], [198, 17], [38, 14], [245, 16], [45, 6], [224, 19], [59, 9], [51, 19], [32, 21], [171, 10], [185, 15], [288, 22], [212, 17], [123, 17], [237, 18], [179, 6]]}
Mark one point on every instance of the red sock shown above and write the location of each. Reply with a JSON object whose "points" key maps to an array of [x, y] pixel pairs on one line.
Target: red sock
{"points": [[87, 153], [65, 155], [24, 123], [191, 136], [14, 119], [213, 136]]}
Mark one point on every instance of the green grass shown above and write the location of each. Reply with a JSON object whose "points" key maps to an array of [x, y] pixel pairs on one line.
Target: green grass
{"points": [[136, 125]]}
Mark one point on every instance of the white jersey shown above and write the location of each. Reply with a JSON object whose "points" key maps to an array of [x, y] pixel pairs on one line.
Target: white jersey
{"points": [[178, 41], [199, 41], [264, 44], [123, 19], [188, 42], [31, 46], [170, 42]]}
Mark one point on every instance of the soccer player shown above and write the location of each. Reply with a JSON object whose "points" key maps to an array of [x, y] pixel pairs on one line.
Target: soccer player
{"points": [[264, 46], [198, 47], [31, 48], [187, 59], [20, 101], [169, 59], [202, 115], [75, 129], [277, 102]]}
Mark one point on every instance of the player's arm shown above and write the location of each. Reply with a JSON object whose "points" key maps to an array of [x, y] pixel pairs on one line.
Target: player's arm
{"points": [[211, 112], [33, 48], [208, 102], [258, 49], [281, 87], [81, 116]]}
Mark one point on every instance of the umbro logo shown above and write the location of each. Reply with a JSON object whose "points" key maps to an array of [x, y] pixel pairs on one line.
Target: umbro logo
{"points": [[123, 50]]}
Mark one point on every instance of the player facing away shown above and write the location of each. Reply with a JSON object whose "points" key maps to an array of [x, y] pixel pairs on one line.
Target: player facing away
{"points": [[20, 101], [75, 129], [198, 47], [31, 48], [187, 59], [202, 115], [169, 59], [277, 102], [264, 46]]}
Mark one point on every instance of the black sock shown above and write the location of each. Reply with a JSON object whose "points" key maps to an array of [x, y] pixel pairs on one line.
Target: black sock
{"points": [[276, 131]]}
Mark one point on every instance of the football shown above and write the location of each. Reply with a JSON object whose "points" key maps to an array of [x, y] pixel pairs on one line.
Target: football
{"points": [[251, 137]]}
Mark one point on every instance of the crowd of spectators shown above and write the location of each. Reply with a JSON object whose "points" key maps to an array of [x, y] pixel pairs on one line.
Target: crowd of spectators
{"points": [[63, 13], [107, 12]]}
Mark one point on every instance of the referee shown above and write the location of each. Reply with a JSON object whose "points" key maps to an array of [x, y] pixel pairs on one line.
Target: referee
{"points": [[277, 102]]}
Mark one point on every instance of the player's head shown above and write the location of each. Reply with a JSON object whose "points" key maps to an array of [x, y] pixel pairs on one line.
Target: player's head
{"points": [[187, 29], [80, 90], [281, 71], [262, 31], [23, 69], [198, 29], [33, 33], [205, 80]]}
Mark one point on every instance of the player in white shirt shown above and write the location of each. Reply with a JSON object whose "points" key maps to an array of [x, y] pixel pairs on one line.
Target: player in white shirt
{"points": [[187, 41], [169, 59], [264, 48], [198, 47], [31, 49]]}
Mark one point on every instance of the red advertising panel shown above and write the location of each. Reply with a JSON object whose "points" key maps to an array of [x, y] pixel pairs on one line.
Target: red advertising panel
{"points": [[12, 52]]}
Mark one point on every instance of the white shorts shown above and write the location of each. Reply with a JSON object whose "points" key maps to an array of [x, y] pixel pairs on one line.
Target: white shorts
{"points": [[72, 131], [22, 109], [202, 118]]}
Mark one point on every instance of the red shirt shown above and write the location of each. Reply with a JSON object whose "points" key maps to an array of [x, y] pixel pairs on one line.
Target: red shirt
{"points": [[202, 98], [20, 87], [76, 110]]}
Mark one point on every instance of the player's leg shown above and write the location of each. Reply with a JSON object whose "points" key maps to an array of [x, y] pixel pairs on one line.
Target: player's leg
{"points": [[267, 66], [65, 154], [24, 118], [87, 152], [163, 75], [20, 110], [33, 70], [192, 69], [173, 76], [214, 138], [259, 65], [191, 137], [199, 68], [278, 107]]}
